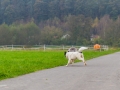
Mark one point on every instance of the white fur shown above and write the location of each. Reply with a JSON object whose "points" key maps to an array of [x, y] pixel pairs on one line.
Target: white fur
{"points": [[71, 56], [82, 48]]}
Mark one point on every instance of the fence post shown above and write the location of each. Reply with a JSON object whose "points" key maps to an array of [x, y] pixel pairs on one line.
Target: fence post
{"points": [[63, 47], [44, 47], [12, 46]]}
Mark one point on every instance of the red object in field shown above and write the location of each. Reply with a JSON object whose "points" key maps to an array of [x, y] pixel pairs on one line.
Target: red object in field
{"points": [[96, 46]]}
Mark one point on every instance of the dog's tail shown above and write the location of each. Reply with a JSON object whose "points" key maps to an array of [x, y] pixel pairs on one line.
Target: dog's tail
{"points": [[65, 53]]}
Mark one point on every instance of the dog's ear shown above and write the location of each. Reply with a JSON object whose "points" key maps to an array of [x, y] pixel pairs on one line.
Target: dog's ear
{"points": [[65, 53]]}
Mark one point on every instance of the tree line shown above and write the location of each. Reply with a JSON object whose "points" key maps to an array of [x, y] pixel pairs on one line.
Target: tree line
{"points": [[72, 30], [73, 22], [17, 10]]}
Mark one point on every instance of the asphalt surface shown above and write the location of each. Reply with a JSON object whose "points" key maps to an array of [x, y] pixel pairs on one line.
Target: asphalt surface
{"points": [[101, 73]]}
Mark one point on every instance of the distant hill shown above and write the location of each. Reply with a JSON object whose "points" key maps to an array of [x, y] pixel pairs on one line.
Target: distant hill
{"points": [[40, 10]]}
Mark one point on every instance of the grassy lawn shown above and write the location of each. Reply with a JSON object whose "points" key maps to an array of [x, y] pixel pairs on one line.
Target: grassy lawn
{"points": [[16, 63]]}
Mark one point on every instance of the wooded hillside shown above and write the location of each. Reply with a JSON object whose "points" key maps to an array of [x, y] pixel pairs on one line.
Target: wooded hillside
{"points": [[15, 10], [79, 22]]}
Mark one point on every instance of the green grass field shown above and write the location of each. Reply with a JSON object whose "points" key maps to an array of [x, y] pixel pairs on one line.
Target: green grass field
{"points": [[16, 63]]}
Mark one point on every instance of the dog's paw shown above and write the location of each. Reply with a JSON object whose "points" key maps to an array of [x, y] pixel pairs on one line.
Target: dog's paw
{"points": [[66, 65], [85, 64]]}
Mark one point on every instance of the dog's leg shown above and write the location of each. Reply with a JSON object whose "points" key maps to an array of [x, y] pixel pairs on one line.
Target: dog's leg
{"points": [[69, 61], [73, 61], [85, 63], [82, 57]]}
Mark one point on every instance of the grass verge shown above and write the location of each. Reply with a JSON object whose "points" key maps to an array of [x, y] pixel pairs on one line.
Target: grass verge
{"points": [[16, 63]]}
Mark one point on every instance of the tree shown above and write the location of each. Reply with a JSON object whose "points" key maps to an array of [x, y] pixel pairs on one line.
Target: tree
{"points": [[80, 30], [54, 9], [5, 35], [94, 26], [1, 14], [40, 11], [20, 34], [51, 35], [104, 23], [9, 14], [113, 34]]}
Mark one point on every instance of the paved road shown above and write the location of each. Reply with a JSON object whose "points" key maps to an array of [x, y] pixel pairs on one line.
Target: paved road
{"points": [[101, 73]]}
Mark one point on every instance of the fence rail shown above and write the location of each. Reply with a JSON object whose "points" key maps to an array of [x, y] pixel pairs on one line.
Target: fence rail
{"points": [[46, 47]]}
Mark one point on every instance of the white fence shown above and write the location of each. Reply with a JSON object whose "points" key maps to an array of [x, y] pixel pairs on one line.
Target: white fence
{"points": [[45, 47]]}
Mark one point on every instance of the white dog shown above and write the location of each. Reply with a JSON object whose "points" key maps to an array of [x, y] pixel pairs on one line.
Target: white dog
{"points": [[71, 56]]}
